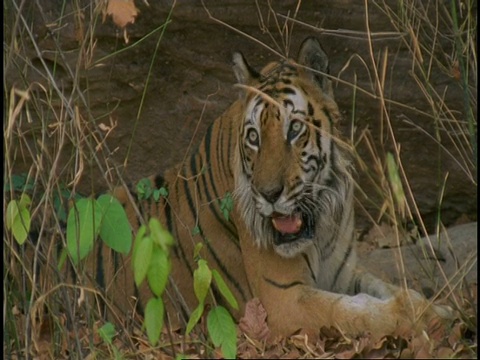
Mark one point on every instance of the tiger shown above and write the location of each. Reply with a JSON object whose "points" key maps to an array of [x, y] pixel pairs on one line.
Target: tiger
{"points": [[289, 239]]}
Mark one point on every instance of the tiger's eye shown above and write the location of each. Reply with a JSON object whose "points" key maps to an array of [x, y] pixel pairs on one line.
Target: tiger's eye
{"points": [[296, 127], [252, 137]]}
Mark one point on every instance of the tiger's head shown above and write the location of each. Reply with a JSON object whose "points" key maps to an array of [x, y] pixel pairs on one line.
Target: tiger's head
{"points": [[291, 176]]}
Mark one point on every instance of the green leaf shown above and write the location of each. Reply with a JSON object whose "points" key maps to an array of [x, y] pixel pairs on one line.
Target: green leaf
{"points": [[194, 317], [117, 355], [158, 271], [59, 208], [18, 218], [396, 184], [25, 201], [144, 189], [141, 261], [162, 192], [62, 258], [83, 225], [107, 332], [142, 230], [21, 225], [226, 205], [196, 231], [202, 277], [19, 183], [224, 290], [61, 197], [222, 331], [160, 235], [115, 228], [16, 182], [196, 251], [12, 213], [154, 319]]}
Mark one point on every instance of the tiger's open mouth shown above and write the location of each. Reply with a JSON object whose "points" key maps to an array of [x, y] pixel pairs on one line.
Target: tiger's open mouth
{"points": [[290, 228]]}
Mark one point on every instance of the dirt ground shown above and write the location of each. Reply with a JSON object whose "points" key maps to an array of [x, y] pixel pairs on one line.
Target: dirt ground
{"points": [[191, 84]]}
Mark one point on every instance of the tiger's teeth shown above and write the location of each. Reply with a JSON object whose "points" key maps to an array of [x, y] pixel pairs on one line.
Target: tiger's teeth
{"points": [[290, 224]]}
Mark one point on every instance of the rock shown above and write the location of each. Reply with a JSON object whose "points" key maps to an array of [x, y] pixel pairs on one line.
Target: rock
{"points": [[454, 258]]}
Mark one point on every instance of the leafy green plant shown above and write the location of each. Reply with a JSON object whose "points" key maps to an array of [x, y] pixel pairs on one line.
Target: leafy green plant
{"points": [[20, 182], [57, 141], [222, 331], [220, 324], [202, 278], [90, 218], [226, 205], [151, 260], [145, 190]]}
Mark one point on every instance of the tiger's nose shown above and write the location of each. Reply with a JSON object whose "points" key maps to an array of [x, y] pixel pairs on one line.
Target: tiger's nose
{"points": [[272, 195]]}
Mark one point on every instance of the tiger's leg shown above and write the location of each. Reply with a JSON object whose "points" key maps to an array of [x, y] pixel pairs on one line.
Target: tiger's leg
{"points": [[287, 290], [370, 284], [350, 279], [355, 280], [304, 307]]}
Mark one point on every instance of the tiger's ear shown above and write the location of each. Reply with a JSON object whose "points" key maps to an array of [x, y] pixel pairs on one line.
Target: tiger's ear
{"points": [[245, 74], [312, 56]]}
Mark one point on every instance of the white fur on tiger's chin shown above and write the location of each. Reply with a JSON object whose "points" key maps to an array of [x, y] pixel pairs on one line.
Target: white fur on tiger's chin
{"points": [[292, 249]]}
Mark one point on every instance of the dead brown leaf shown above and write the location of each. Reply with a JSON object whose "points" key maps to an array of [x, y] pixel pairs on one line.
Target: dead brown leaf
{"points": [[247, 350], [456, 334], [346, 354], [43, 338], [276, 351], [254, 321], [292, 354], [421, 347], [444, 353], [123, 12], [302, 341], [436, 330]]}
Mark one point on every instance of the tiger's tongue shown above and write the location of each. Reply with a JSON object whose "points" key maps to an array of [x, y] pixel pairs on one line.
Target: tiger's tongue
{"points": [[290, 224]]}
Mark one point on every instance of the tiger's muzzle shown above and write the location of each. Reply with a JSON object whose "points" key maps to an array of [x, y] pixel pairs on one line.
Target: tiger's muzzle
{"points": [[292, 229]]}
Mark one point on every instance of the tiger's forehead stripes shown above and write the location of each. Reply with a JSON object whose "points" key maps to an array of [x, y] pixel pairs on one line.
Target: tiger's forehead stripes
{"points": [[288, 104], [281, 96], [280, 74]]}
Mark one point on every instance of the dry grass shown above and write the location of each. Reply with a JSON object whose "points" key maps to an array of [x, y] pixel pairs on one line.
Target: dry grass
{"points": [[52, 135]]}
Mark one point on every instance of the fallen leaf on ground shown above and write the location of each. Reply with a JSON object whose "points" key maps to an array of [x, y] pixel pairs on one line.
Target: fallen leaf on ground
{"points": [[123, 12], [254, 322]]}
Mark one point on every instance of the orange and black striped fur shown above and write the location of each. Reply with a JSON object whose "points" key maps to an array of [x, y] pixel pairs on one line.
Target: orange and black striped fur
{"points": [[289, 239]]}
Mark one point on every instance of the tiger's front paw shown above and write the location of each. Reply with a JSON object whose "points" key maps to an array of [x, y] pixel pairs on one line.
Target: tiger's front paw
{"points": [[415, 311]]}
